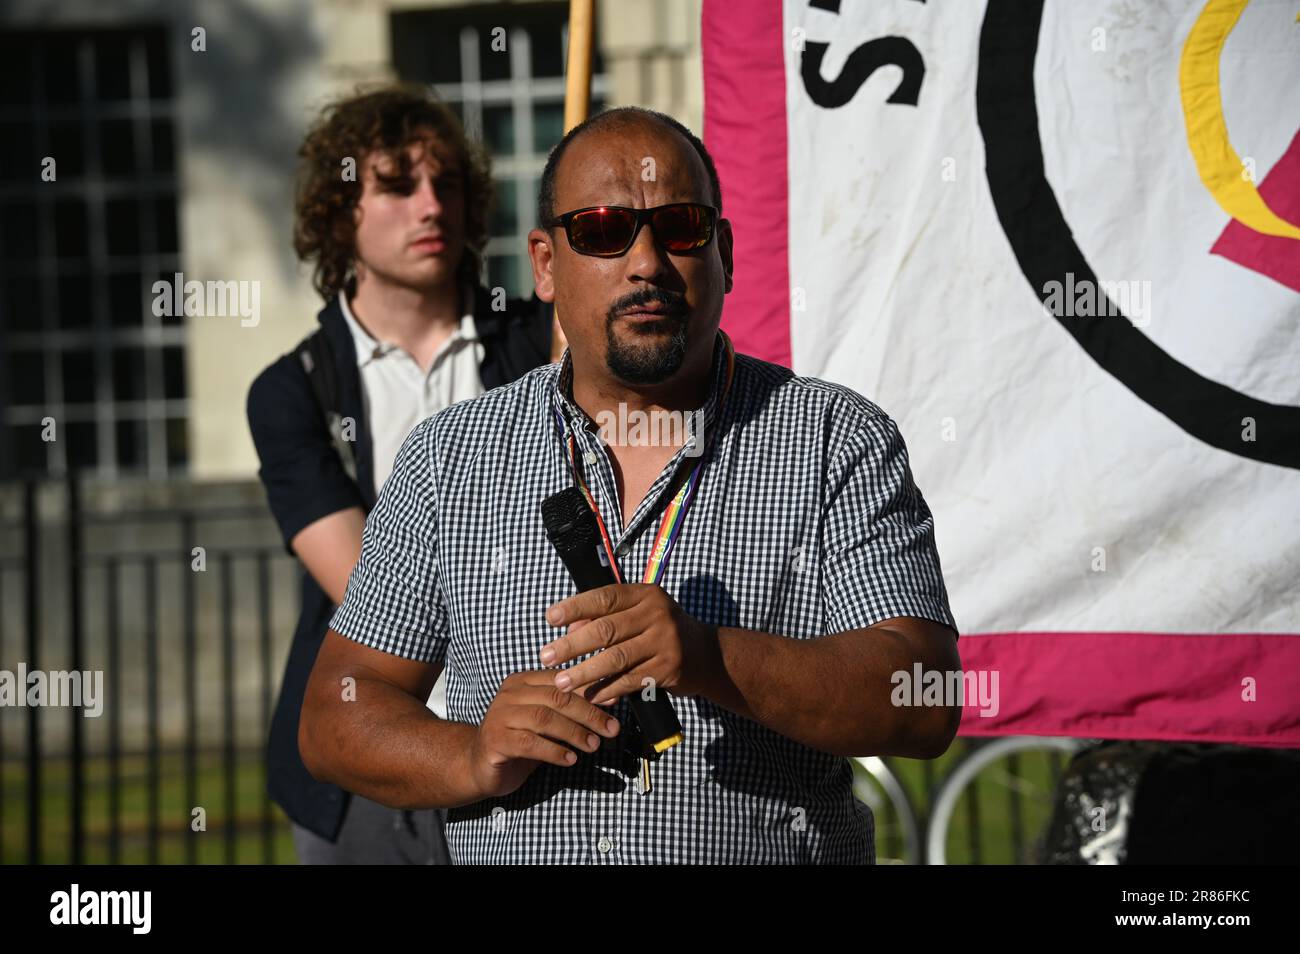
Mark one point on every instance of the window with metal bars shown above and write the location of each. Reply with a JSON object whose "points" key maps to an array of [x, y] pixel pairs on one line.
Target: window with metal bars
{"points": [[88, 222], [502, 69]]}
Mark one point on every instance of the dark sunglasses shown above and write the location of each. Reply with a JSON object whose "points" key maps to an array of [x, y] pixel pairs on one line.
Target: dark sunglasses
{"points": [[608, 231]]}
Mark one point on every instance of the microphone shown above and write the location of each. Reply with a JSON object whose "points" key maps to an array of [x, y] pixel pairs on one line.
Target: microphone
{"points": [[571, 528]]}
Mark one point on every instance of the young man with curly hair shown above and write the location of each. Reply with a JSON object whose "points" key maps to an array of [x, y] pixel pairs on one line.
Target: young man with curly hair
{"points": [[391, 213]]}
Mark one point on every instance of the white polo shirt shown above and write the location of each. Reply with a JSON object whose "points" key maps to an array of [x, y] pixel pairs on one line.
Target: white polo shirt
{"points": [[396, 395]]}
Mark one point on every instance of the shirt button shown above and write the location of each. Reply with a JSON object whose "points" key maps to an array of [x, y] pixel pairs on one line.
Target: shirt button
{"points": [[604, 845]]}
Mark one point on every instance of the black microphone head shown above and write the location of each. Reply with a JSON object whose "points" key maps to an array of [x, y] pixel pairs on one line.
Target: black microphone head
{"points": [[568, 519]]}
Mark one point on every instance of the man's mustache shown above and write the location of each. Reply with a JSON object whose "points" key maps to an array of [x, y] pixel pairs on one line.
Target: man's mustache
{"points": [[674, 303]]}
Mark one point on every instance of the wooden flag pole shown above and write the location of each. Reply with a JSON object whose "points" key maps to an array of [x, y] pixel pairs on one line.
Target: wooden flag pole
{"points": [[577, 87], [577, 102]]}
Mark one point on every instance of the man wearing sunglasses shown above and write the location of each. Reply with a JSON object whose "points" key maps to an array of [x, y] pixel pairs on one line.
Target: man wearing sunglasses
{"points": [[772, 585]]}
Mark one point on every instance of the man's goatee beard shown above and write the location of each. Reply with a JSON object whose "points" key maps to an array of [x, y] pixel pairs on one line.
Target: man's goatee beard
{"points": [[649, 363]]}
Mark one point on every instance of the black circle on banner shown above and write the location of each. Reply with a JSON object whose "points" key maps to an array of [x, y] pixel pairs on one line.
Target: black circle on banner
{"points": [[1045, 248]]}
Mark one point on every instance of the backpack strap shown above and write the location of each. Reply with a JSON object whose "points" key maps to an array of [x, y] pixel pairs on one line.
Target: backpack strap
{"points": [[317, 358]]}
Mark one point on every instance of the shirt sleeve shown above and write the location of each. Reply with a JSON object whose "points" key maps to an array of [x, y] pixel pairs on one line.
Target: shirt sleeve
{"points": [[300, 469], [880, 559], [393, 602]]}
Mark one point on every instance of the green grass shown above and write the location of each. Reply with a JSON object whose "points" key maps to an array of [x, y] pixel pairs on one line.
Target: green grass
{"points": [[174, 815], [995, 818], [992, 827]]}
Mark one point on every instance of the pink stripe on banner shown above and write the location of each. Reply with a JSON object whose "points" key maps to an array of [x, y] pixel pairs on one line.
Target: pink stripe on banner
{"points": [[1163, 686], [745, 131]]}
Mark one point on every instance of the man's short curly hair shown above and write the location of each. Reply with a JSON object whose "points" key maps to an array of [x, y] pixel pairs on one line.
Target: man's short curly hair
{"points": [[387, 119]]}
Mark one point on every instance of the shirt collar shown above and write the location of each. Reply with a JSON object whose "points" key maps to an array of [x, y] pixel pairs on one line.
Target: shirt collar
{"points": [[368, 349], [562, 388]]}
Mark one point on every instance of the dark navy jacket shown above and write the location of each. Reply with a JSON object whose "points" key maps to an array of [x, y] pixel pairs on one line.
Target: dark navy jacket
{"points": [[305, 480]]}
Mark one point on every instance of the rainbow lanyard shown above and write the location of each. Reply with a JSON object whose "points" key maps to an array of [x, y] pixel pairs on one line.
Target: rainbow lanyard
{"points": [[671, 524]]}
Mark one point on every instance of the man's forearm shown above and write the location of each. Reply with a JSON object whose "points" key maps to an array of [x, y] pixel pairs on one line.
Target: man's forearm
{"points": [[832, 693], [387, 746], [329, 548]]}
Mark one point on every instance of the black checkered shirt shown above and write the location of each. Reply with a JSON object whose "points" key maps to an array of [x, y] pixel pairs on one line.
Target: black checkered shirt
{"points": [[805, 522]]}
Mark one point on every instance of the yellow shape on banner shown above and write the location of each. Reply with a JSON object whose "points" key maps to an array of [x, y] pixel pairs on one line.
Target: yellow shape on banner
{"points": [[1220, 168]]}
